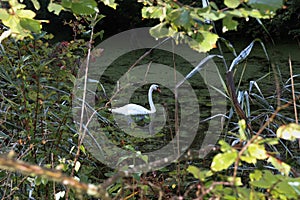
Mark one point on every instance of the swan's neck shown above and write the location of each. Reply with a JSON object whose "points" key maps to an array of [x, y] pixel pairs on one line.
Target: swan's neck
{"points": [[152, 107]]}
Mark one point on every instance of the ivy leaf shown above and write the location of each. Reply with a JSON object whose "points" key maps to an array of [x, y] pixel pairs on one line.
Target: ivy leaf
{"points": [[223, 160], [232, 3], [266, 5]]}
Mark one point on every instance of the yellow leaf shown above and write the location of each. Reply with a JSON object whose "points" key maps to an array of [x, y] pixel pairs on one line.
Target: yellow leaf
{"points": [[25, 14], [289, 132]]}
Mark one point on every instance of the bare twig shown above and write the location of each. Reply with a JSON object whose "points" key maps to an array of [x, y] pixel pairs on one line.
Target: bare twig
{"points": [[293, 91], [12, 165]]}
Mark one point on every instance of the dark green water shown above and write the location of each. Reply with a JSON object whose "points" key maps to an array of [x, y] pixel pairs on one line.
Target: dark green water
{"points": [[255, 68]]}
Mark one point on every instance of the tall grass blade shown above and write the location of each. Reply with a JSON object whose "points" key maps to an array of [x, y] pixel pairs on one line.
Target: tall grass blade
{"points": [[245, 53], [265, 29], [198, 68], [229, 46]]}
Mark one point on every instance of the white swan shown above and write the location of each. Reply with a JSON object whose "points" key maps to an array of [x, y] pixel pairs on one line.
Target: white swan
{"points": [[134, 109]]}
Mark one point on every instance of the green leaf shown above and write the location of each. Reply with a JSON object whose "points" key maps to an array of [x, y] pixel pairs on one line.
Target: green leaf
{"points": [[229, 24], [279, 165], [67, 3], [57, 8], [256, 175], [180, 17], [84, 7], [82, 148], [248, 158], [159, 31], [25, 14], [289, 132], [36, 4], [257, 151], [110, 3], [153, 12], [223, 160], [242, 129], [225, 146], [204, 41], [266, 5], [3, 14], [199, 174], [232, 3], [31, 25], [266, 181], [237, 180]]}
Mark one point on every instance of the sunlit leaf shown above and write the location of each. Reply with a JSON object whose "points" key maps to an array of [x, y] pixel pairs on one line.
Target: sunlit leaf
{"points": [[154, 12], [25, 14], [267, 180], [3, 14], [36, 4], [279, 165], [232, 3], [204, 41], [289, 132], [110, 3], [237, 180], [77, 166], [256, 175], [242, 129], [54, 7], [223, 160], [225, 146], [257, 151], [199, 174]]}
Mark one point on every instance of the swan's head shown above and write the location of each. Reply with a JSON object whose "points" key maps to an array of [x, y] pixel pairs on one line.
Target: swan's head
{"points": [[155, 87]]}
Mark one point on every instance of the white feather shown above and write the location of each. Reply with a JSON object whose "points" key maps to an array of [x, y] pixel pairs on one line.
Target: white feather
{"points": [[134, 109]]}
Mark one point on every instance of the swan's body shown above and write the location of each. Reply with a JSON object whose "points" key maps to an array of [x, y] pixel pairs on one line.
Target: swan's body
{"points": [[134, 109]]}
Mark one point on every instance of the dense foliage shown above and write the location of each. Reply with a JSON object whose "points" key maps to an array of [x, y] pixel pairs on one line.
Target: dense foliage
{"points": [[37, 80]]}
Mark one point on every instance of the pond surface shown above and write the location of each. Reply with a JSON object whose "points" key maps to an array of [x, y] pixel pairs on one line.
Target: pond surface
{"points": [[255, 68]]}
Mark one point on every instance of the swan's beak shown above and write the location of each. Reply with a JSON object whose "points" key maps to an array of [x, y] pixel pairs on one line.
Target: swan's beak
{"points": [[158, 90]]}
